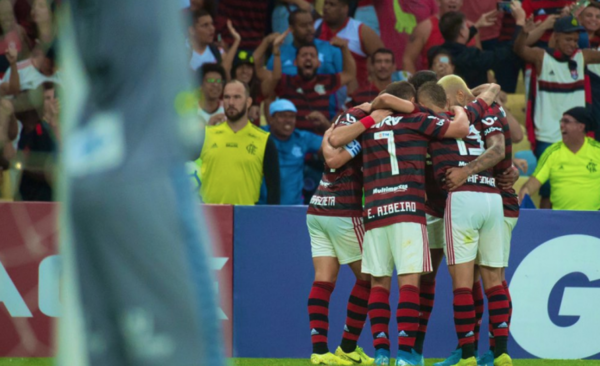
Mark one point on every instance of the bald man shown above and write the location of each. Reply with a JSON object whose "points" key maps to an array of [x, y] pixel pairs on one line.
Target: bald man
{"points": [[474, 221]]}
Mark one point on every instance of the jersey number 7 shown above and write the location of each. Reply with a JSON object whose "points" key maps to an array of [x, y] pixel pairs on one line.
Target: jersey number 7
{"points": [[391, 147]]}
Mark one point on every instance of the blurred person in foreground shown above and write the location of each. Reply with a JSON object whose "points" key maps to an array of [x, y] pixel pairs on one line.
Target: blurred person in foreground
{"points": [[292, 146], [236, 155], [139, 281], [572, 166]]}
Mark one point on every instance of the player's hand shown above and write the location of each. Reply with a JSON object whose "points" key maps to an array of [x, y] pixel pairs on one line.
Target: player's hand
{"points": [[278, 41], [11, 53], [365, 107], [487, 19], [236, 36], [217, 119], [380, 114], [456, 177], [339, 42], [319, 120], [507, 179]]}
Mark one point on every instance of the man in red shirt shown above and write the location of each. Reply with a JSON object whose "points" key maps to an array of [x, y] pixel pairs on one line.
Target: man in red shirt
{"points": [[383, 65], [308, 90]]}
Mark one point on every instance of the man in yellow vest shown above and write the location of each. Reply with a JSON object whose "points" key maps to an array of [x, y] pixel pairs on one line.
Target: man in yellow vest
{"points": [[236, 155]]}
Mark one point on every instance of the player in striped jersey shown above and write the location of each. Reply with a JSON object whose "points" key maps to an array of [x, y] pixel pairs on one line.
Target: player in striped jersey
{"points": [[474, 216], [393, 165], [336, 230]]}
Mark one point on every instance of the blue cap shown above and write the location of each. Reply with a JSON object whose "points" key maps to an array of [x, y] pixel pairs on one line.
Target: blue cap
{"points": [[282, 105], [568, 24]]}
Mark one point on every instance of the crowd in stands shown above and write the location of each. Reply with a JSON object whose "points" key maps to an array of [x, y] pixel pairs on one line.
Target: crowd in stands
{"points": [[282, 71]]}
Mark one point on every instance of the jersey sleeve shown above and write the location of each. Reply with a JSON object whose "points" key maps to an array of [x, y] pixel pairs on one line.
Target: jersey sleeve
{"points": [[476, 109], [491, 125], [433, 126], [542, 172]]}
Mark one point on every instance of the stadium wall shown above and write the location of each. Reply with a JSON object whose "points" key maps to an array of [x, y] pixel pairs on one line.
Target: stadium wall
{"points": [[554, 278]]}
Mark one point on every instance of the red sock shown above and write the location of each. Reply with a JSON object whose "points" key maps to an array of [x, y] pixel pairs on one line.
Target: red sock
{"points": [[464, 320], [498, 309], [407, 316], [426, 298], [379, 313], [358, 306], [318, 312], [505, 285], [478, 302]]}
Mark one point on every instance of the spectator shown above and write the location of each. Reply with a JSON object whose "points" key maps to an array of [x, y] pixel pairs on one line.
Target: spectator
{"points": [[590, 20], [572, 166], [471, 63], [303, 32], [384, 65], [542, 10], [427, 34], [37, 149], [250, 17], [282, 11], [236, 155], [11, 34], [243, 70], [31, 73], [441, 63], [309, 91], [292, 146], [397, 21], [362, 40], [210, 105], [557, 70], [204, 50]]}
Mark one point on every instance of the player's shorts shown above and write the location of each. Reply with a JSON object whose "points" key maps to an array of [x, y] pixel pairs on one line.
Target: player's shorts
{"points": [[435, 232], [334, 236], [509, 225], [474, 229], [403, 244]]}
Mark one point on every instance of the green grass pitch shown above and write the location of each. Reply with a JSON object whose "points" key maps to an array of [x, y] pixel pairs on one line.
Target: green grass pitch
{"points": [[300, 362]]}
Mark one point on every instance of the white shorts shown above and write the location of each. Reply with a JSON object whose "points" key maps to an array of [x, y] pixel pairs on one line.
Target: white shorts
{"points": [[334, 236], [435, 232], [509, 225], [474, 229], [403, 244]]}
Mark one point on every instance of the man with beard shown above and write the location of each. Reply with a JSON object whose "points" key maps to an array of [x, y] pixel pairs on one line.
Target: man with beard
{"points": [[236, 155], [309, 91], [384, 65]]}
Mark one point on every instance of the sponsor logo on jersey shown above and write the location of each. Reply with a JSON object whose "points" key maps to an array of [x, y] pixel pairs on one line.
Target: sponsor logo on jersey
{"points": [[392, 208], [231, 144], [490, 130], [479, 179], [322, 201], [389, 121], [399, 188]]}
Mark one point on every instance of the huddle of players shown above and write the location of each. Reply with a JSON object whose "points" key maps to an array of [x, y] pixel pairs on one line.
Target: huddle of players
{"points": [[435, 182]]}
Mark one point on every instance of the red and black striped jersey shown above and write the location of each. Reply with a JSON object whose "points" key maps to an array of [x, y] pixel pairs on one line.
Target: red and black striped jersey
{"points": [[435, 202], [308, 96], [394, 153], [363, 94], [340, 190], [510, 200], [450, 153]]}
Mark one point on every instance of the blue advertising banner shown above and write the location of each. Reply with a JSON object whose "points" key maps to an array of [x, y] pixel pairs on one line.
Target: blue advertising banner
{"points": [[554, 278]]}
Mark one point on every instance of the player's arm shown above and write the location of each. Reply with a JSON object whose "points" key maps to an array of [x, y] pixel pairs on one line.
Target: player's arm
{"points": [[530, 187], [337, 157], [487, 92], [456, 177], [344, 135], [370, 40], [271, 173], [388, 101], [415, 45], [459, 127], [348, 73], [591, 56]]}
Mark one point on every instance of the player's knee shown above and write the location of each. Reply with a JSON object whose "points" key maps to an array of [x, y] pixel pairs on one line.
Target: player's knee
{"points": [[385, 282]]}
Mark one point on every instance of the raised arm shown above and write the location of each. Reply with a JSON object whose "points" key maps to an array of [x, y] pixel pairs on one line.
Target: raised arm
{"points": [[534, 55], [370, 40], [349, 65], [270, 83], [13, 86], [230, 55], [259, 57], [456, 177], [415, 45], [487, 92]]}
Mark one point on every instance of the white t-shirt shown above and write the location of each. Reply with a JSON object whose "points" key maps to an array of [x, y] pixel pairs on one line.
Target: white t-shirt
{"points": [[204, 116], [29, 76], [206, 57]]}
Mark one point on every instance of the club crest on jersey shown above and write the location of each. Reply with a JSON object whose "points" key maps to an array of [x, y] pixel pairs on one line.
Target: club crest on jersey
{"points": [[389, 121], [320, 89], [251, 149], [574, 74]]}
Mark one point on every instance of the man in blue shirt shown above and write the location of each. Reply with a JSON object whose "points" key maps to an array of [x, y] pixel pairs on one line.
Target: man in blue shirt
{"points": [[292, 146]]}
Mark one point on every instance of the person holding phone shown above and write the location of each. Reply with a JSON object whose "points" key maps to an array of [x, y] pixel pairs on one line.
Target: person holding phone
{"points": [[441, 63]]}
